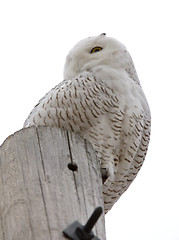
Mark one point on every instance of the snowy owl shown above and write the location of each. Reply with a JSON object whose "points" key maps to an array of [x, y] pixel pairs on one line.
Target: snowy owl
{"points": [[101, 99]]}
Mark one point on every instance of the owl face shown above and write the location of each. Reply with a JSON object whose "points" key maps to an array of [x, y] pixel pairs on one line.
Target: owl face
{"points": [[95, 51]]}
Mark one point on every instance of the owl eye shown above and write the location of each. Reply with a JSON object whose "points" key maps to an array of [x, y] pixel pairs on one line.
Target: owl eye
{"points": [[96, 49]]}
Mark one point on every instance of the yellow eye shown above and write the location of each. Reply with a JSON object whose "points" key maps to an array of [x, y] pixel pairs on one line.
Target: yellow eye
{"points": [[96, 49]]}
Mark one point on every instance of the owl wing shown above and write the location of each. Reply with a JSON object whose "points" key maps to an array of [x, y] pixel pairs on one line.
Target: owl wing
{"points": [[36, 116], [74, 104]]}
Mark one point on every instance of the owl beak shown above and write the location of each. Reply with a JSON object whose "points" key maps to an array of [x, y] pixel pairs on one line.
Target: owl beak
{"points": [[103, 34]]}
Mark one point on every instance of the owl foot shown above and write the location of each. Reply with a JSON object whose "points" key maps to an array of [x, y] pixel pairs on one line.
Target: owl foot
{"points": [[105, 174]]}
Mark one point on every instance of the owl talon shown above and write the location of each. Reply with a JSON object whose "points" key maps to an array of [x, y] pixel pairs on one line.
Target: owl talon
{"points": [[105, 174]]}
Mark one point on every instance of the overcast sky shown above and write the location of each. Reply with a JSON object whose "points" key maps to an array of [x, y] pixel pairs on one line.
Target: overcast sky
{"points": [[35, 37]]}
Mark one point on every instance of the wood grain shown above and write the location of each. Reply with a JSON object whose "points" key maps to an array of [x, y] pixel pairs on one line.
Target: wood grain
{"points": [[39, 195]]}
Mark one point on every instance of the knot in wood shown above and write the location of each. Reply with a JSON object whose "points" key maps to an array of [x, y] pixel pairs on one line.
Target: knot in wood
{"points": [[73, 167]]}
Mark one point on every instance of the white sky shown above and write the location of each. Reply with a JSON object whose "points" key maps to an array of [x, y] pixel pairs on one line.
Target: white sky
{"points": [[35, 37]]}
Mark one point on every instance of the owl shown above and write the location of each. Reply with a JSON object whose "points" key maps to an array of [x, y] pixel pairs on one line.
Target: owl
{"points": [[101, 100]]}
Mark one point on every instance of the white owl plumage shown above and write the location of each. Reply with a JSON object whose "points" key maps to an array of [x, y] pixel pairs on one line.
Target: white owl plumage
{"points": [[101, 100]]}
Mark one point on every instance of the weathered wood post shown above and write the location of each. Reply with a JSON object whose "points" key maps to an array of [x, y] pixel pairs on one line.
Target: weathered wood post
{"points": [[41, 190]]}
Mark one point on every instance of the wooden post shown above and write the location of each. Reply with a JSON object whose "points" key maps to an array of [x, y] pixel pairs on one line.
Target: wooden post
{"points": [[39, 195]]}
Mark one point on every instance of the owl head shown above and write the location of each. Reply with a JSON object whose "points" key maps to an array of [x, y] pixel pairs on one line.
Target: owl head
{"points": [[98, 51]]}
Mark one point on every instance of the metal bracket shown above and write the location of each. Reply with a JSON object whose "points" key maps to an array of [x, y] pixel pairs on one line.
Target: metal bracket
{"points": [[76, 231]]}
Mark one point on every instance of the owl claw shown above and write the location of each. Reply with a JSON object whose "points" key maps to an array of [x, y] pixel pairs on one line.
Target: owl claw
{"points": [[105, 174]]}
